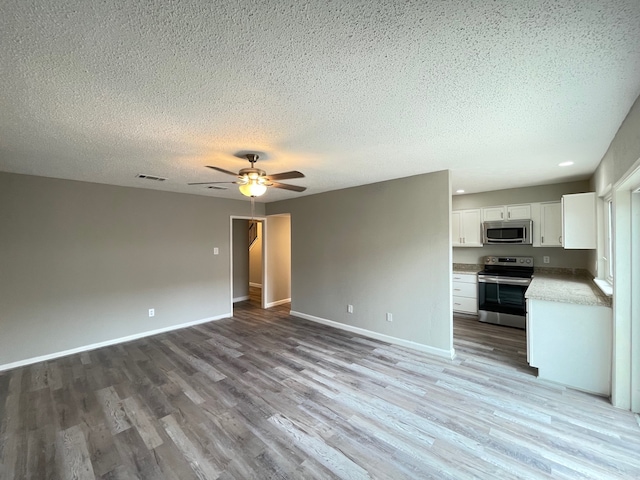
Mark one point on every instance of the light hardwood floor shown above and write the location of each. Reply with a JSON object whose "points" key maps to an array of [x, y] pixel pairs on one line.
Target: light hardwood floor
{"points": [[264, 395]]}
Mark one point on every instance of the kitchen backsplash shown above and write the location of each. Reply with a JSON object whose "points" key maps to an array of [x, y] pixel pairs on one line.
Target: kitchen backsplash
{"points": [[475, 267]]}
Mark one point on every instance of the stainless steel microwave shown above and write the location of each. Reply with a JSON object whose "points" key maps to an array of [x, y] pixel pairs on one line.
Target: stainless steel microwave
{"points": [[516, 232]]}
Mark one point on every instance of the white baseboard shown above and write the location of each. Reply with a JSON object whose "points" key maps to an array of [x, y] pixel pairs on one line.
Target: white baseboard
{"points": [[93, 346], [257, 285], [278, 302], [440, 352], [241, 299]]}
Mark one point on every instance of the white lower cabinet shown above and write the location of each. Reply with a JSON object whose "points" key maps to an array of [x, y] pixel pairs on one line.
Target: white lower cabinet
{"points": [[465, 293], [570, 344]]}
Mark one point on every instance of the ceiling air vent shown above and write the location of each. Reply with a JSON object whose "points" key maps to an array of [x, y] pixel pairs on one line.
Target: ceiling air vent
{"points": [[150, 177]]}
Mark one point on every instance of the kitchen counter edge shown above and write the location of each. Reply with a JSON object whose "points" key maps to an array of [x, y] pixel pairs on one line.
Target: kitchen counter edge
{"points": [[572, 289]]}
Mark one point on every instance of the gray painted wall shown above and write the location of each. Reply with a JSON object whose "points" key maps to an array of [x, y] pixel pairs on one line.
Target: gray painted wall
{"points": [[558, 257], [278, 258], [240, 258], [623, 152], [81, 263], [383, 247], [539, 193]]}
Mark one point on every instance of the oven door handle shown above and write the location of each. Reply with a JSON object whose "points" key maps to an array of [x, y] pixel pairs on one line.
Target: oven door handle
{"points": [[503, 280]]}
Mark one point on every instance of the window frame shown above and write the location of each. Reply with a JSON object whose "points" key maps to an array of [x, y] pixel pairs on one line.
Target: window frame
{"points": [[608, 253]]}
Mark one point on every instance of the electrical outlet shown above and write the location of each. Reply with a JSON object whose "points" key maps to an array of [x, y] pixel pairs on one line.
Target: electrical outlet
{"points": [[389, 317], [215, 250], [152, 312], [545, 259], [349, 308]]}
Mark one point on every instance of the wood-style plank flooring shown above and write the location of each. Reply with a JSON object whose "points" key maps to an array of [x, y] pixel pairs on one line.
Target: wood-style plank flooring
{"points": [[264, 395]]}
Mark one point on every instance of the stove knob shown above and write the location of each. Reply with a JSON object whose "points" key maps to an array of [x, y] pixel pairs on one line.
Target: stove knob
{"points": [[494, 259], [528, 260], [521, 261]]}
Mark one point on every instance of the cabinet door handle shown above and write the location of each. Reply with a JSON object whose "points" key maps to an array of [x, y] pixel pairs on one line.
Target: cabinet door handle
{"points": [[542, 239], [501, 214], [560, 239], [456, 289], [509, 215], [457, 304]]}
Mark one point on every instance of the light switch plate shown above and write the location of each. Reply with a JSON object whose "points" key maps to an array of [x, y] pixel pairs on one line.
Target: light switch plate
{"points": [[216, 250]]}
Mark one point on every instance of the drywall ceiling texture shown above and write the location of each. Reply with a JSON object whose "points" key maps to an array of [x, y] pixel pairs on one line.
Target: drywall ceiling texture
{"points": [[347, 92]]}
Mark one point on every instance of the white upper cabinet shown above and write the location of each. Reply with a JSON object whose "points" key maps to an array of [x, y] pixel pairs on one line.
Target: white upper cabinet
{"points": [[550, 227], [519, 212], [579, 221], [506, 212], [493, 214], [466, 228]]}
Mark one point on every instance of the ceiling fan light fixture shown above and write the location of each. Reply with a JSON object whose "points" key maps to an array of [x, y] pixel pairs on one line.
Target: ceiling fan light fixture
{"points": [[253, 188]]}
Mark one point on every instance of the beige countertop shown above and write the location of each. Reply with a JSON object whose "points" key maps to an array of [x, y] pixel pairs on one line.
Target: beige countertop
{"points": [[575, 289]]}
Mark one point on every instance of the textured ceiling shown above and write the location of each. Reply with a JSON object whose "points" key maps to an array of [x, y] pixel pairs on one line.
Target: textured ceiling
{"points": [[349, 92]]}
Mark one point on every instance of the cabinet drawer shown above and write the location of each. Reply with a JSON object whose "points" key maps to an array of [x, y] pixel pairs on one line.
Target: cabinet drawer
{"points": [[465, 290], [465, 277], [465, 305]]}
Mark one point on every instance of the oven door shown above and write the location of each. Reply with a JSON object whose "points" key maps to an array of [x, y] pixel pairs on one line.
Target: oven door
{"points": [[502, 294]]}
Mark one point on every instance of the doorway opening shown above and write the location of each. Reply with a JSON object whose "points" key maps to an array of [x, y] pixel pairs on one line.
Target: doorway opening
{"points": [[261, 261], [248, 248], [255, 263]]}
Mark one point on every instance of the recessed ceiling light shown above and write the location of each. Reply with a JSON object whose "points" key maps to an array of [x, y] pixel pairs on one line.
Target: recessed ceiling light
{"points": [[565, 164], [459, 191]]}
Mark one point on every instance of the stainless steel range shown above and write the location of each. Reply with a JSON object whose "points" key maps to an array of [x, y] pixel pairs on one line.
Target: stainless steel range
{"points": [[501, 287]]}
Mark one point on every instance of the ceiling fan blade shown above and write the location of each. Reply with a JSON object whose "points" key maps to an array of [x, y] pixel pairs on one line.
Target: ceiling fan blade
{"points": [[209, 183], [222, 170], [214, 187], [286, 186], [285, 175]]}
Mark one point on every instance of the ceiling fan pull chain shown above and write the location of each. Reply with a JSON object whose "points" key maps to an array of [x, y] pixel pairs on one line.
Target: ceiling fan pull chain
{"points": [[252, 207]]}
